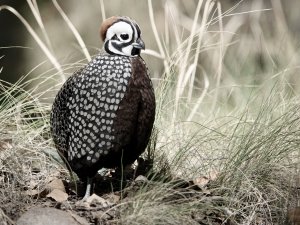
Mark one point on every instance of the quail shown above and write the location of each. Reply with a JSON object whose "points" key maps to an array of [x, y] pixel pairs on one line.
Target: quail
{"points": [[103, 115]]}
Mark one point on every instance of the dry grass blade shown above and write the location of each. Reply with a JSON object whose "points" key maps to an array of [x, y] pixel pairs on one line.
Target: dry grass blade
{"points": [[35, 11], [74, 30], [102, 10], [220, 58], [154, 29], [182, 72], [44, 48]]}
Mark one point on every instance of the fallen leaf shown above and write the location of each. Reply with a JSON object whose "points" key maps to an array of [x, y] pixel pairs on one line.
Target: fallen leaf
{"points": [[201, 182], [56, 184], [58, 195]]}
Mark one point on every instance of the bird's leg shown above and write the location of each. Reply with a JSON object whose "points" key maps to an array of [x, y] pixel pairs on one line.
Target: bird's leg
{"points": [[88, 188]]}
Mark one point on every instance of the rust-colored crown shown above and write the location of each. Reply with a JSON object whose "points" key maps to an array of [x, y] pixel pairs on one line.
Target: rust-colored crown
{"points": [[106, 24]]}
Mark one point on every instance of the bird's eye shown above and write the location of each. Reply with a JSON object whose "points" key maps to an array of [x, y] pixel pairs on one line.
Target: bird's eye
{"points": [[124, 36]]}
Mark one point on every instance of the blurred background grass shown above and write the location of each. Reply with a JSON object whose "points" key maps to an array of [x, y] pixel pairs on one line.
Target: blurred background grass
{"points": [[259, 44]]}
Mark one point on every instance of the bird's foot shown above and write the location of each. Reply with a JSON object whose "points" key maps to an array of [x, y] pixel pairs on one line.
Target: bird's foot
{"points": [[93, 201]]}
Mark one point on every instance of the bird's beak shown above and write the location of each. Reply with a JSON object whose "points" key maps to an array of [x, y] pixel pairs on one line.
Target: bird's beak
{"points": [[139, 44]]}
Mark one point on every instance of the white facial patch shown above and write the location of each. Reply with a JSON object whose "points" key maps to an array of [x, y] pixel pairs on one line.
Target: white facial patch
{"points": [[119, 28], [127, 50]]}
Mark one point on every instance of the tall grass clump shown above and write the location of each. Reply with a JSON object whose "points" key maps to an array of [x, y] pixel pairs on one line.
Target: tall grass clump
{"points": [[227, 118], [28, 160]]}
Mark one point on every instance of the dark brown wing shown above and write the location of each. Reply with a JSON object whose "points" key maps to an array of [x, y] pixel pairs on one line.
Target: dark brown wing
{"points": [[146, 109], [136, 113]]}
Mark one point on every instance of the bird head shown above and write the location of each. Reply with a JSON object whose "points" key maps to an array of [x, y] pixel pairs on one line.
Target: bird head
{"points": [[121, 36]]}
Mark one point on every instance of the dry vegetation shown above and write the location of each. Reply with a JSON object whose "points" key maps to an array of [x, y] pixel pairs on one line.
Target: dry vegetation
{"points": [[225, 148]]}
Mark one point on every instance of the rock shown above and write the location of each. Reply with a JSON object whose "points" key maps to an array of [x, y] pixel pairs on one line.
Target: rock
{"points": [[47, 216]]}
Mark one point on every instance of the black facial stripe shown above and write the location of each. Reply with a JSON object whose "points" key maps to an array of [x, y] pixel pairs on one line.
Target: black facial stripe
{"points": [[115, 46], [106, 47], [115, 37], [118, 46]]}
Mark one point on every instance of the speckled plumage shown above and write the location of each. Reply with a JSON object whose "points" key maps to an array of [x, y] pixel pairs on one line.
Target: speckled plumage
{"points": [[100, 111], [104, 113]]}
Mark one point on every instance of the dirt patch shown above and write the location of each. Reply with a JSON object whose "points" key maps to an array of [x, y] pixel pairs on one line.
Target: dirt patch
{"points": [[114, 193]]}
